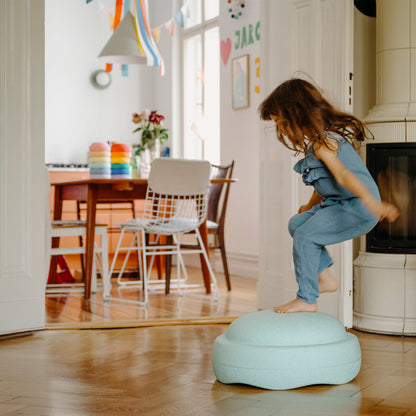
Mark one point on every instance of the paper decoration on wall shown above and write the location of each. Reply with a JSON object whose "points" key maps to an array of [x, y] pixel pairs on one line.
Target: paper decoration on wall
{"points": [[236, 8], [257, 64], [225, 47], [247, 35]]}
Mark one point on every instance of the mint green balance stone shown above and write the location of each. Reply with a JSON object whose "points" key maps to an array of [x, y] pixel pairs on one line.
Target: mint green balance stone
{"points": [[280, 351]]}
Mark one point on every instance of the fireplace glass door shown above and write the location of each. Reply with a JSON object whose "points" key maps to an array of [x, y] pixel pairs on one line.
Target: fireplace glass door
{"points": [[393, 166]]}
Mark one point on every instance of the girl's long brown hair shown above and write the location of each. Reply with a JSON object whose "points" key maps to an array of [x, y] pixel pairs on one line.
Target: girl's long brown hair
{"points": [[306, 116]]}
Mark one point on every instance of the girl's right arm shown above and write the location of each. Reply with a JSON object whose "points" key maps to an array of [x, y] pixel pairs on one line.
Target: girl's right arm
{"points": [[348, 180]]}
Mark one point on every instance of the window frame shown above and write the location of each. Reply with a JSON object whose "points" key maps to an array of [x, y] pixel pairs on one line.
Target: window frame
{"points": [[198, 29]]}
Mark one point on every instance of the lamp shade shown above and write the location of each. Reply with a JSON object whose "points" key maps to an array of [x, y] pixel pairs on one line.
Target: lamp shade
{"points": [[122, 47]]}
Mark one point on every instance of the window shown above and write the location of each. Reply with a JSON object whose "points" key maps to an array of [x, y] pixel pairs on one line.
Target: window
{"points": [[201, 64]]}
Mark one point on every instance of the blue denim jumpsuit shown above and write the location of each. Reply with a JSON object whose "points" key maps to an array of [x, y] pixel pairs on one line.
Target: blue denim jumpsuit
{"points": [[339, 217]]}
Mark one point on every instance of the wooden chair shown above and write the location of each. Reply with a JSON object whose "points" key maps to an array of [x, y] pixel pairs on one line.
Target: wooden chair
{"points": [[81, 214], [217, 208]]}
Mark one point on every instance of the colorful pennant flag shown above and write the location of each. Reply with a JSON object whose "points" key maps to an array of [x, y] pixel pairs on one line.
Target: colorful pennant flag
{"points": [[179, 18], [170, 27], [156, 34]]}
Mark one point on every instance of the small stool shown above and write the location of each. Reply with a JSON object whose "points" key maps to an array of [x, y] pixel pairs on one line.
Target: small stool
{"points": [[280, 351]]}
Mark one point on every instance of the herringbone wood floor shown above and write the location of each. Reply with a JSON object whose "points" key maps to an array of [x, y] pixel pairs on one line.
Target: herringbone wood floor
{"points": [[72, 311], [167, 371]]}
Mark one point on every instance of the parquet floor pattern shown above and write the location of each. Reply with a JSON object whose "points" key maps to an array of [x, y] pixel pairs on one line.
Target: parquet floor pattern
{"points": [[167, 371], [72, 311]]}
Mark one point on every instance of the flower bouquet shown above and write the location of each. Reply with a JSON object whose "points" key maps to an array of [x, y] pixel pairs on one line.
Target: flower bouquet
{"points": [[152, 130], [150, 124]]}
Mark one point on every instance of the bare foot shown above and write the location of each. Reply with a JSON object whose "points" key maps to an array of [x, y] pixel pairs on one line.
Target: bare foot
{"points": [[296, 305], [327, 282]]}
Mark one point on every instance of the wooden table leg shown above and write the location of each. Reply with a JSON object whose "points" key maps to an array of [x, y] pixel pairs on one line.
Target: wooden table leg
{"points": [[57, 215], [89, 247], [203, 230]]}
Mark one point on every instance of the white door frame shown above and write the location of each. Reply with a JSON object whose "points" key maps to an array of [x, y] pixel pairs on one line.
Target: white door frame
{"points": [[315, 37], [23, 190]]}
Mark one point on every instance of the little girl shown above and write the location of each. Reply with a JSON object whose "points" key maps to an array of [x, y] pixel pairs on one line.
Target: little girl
{"points": [[345, 203]]}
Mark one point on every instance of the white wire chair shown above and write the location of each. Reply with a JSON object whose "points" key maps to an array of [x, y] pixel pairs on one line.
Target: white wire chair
{"points": [[77, 228], [175, 204]]}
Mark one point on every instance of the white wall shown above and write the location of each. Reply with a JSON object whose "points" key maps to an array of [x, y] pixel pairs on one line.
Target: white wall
{"points": [[239, 129], [364, 64], [319, 44], [76, 113], [240, 141], [364, 92]]}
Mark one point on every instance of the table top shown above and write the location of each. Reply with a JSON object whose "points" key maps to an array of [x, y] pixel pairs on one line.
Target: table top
{"points": [[121, 181]]}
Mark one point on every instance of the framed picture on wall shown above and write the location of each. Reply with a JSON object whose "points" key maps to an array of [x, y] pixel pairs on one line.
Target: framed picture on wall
{"points": [[240, 82]]}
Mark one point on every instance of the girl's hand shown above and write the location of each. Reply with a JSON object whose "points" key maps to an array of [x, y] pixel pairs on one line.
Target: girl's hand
{"points": [[388, 211]]}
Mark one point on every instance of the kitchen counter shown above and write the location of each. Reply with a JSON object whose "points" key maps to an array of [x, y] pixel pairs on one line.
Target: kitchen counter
{"points": [[72, 167]]}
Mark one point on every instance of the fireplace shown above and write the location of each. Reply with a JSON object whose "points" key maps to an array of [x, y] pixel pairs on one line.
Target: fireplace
{"points": [[393, 166], [385, 268]]}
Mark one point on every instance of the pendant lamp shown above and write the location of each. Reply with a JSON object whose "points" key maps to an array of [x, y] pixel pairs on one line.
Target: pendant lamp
{"points": [[123, 47]]}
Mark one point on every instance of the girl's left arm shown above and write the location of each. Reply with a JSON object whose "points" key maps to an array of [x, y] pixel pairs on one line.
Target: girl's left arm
{"points": [[349, 181]]}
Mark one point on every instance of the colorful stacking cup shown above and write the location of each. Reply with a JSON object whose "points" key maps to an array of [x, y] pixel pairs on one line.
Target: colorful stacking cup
{"points": [[120, 161], [100, 160]]}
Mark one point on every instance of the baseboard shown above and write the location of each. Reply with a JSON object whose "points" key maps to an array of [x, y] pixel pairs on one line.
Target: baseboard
{"points": [[239, 264]]}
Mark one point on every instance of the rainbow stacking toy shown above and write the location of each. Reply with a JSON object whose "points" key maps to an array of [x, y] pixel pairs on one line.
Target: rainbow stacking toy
{"points": [[120, 161], [99, 161]]}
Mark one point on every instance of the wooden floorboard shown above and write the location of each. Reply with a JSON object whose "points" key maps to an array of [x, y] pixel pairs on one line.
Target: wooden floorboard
{"points": [[166, 370], [157, 361], [71, 311]]}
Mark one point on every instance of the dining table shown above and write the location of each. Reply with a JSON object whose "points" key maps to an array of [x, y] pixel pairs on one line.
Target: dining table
{"points": [[93, 191]]}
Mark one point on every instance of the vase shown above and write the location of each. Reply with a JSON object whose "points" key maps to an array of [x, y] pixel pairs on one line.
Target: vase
{"points": [[135, 165], [147, 156]]}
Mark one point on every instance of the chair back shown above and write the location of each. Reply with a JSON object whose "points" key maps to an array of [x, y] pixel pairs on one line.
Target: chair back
{"points": [[179, 176], [216, 191], [176, 199]]}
